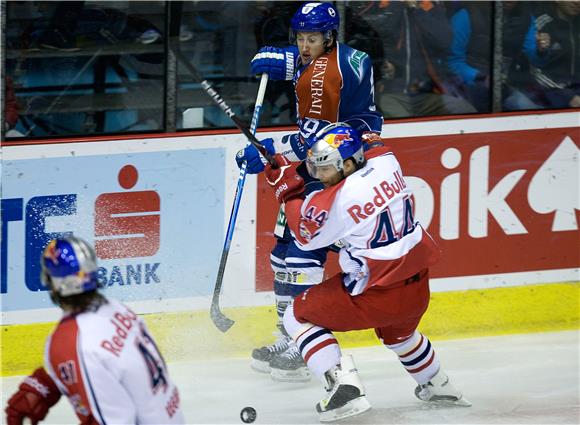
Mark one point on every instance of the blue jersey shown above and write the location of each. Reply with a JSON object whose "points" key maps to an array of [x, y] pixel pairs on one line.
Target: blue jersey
{"points": [[337, 86]]}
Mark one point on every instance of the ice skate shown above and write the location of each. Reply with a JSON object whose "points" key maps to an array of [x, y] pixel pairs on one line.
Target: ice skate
{"points": [[345, 393], [440, 390], [289, 366], [262, 356]]}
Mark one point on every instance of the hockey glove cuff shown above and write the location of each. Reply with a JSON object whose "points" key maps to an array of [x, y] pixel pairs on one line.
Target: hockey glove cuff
{"points": [[255, 160], [278, 62], [35, 396], [284, 179]]}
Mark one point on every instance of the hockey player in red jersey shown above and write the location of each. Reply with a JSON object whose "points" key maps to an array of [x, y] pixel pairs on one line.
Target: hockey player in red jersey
{"points": [[100, 356], [333, 82], [385, 262]]}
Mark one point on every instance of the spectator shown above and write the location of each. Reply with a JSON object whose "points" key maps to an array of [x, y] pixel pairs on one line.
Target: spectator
{"points": [[415, 37], [57, 27], [558, 79], [470, 55]]}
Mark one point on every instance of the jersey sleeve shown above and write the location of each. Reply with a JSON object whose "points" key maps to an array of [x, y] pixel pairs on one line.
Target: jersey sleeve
{"points": [[291, 147], [359, 109]]}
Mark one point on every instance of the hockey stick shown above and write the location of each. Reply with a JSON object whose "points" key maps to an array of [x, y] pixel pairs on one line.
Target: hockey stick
{"points": [[215, 96], [222, 322]]}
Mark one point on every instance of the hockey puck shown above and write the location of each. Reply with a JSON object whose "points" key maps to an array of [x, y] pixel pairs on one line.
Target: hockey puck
{"points": [[248, 415]]}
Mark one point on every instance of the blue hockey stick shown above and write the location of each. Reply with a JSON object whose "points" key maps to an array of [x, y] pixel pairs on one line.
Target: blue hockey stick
{"points": [[222, 322]]}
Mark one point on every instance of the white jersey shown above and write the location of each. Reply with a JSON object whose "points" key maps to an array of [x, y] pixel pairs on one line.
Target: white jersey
{"points": [[108, 365], [371, 212]]}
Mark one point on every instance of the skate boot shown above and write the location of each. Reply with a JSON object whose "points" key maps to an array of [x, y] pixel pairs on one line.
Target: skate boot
{"points": [[440, 389], [262, 356], [345, 393], [289, 366]]}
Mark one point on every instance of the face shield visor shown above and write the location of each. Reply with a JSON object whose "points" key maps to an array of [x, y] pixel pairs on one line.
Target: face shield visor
{"points": [[324, 159], [334, 144]]}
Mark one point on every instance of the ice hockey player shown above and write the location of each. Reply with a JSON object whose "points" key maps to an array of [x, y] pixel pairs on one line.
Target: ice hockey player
{"points": [[100, 356], [332, 82], [385, 263]]}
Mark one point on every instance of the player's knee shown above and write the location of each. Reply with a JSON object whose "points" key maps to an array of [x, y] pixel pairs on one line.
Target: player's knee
{"points": [[289, 321], [292, 325], [278, 257]]}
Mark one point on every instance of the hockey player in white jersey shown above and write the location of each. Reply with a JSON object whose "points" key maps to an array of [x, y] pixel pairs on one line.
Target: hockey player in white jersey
{"points": [[100, 355], [385, 262]]}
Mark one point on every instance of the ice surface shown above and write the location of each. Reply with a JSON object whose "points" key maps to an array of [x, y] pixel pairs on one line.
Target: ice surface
{"points": [[516, 379]]}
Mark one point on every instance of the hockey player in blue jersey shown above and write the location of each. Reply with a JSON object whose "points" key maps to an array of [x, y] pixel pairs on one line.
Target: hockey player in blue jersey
{"points": [[333, 82]]}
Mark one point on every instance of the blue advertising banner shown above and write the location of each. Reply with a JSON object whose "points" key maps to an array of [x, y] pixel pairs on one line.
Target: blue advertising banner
{"points": [[156, 220]]}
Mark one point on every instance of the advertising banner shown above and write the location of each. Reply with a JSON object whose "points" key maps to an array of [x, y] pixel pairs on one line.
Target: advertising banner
{"points": [[155, 219]]}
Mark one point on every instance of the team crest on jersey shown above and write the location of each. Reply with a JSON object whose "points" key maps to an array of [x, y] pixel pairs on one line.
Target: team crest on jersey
{"points": [[355, 62], [78, 405], [304, 232]]}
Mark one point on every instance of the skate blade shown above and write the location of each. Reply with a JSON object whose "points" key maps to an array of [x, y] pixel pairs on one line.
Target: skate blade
{"points": [[450, 401], [299, 375], [352, 408], [462, 402], [260, 366]]}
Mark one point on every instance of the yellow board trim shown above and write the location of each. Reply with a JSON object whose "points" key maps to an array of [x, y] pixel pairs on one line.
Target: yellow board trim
{"points": [[455, 314]]}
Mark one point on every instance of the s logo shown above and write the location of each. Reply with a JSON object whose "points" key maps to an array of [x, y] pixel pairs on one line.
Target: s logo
{"points": [[127, 224]]}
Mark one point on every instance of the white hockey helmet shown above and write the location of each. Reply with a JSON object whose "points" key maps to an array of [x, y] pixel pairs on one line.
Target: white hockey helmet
{"points": [[333, 145]]}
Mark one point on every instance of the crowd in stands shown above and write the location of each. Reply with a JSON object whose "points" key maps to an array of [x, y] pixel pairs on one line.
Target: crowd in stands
{"points": [[430, 57], [437, 58]]}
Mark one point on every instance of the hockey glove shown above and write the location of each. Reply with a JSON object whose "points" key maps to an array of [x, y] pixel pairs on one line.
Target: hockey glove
{"points": [[278, 62], [284, 179], [35, 396], [254, 159]]}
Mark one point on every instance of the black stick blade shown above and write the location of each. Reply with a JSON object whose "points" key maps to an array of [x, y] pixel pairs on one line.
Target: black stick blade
{"points": [[219, 319]]}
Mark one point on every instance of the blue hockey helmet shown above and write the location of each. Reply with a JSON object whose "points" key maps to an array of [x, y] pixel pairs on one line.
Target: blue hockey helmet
{"points": [[334, 144], [314, 17], [69, 266]]}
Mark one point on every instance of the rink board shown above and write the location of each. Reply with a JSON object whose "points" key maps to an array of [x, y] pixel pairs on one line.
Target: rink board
{"points": [[500, 195], [451, 315]]}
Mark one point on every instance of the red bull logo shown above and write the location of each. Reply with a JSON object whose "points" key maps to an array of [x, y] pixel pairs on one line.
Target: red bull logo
{"points": [[51, 252], [336, 140]]}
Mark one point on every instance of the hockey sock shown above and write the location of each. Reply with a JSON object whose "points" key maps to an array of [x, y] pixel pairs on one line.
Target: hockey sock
{"points": [[418, 357], [318, 346]]}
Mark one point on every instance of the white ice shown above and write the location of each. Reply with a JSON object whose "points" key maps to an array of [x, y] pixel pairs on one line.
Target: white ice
{"points": [[516, 379]]}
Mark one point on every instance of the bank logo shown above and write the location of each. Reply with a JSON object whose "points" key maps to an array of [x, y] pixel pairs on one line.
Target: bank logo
{"points": [[126, 225]]}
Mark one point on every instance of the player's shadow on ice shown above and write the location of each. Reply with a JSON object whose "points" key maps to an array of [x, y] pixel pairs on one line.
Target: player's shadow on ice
{"points": [[412, 414]]}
